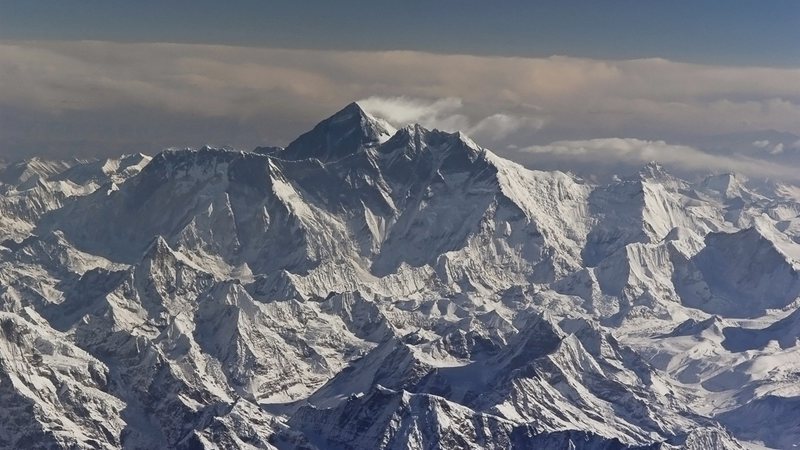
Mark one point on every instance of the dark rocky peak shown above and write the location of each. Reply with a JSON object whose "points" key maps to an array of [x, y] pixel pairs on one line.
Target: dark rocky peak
{"points": [[349, 131], [414, 139], [652, 170], [208, 164], [415, 151]]}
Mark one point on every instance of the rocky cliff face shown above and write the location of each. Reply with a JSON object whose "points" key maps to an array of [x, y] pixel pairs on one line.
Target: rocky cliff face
{"points": [[402, 289]]}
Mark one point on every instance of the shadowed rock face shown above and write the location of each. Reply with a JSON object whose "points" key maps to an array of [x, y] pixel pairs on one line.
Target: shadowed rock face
{"points": [[746, 274], [347, 132], [367, 287]]}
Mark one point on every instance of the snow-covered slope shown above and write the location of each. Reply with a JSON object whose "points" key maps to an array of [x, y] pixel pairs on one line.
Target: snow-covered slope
{"points": [[367, 287]]}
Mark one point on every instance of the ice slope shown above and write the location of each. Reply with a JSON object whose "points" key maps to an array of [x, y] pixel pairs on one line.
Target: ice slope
{"points": [[743, 275], [54, 394], [384, 418], [375, 210], [32, 188], [376, 288]]}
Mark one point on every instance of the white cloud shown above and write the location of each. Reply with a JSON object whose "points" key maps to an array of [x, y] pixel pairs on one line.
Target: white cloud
{"points": [[775, 149], [448, 114], [121, 95], [399, 111], [610, 152], [608, 97], [500, 126], [761, 144]]}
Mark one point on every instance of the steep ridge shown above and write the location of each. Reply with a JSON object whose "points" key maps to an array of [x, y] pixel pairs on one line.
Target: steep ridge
{"points": [[349, 131], [54, 394], [743, 274], [30, 189], [115, 170], [376, 288], [22, 172], [383, 418], [644, 209], [374, 209]]}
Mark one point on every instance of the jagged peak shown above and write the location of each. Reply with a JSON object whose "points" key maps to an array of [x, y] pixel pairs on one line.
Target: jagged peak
{"points": [[349, 131], [207, 158], [112, 169], [467, 140], [352, 108], [157, 249], [25, 170], [136, 156], [539, 335], [354, 111], [729, 184], [160, 254], [229, 292], [652, 169], [654, 172], [205, 150], [409, 135], [414, 139]]}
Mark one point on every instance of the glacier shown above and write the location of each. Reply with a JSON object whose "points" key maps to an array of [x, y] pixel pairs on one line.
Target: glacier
{"points": [[368, 287]]}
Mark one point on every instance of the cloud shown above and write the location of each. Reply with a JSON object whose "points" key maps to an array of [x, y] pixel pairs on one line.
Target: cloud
{"points": [[628, 153], [500, 126], [777, 149], [400, 111], [448, 114], [101, 97], [761, 144]]}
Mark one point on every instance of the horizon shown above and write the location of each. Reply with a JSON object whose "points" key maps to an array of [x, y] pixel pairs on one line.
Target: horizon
{"points": [[592, 174], [551, 85]]}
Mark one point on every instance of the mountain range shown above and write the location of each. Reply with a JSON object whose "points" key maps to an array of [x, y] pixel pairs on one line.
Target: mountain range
{"points": [[368, 287]]}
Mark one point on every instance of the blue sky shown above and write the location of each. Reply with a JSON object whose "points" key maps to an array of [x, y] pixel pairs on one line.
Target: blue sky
{"points": [[741, 32], [700, 85]]}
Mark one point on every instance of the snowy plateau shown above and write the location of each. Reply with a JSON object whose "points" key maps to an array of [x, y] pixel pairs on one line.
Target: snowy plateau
{"points": [[373, 288]]}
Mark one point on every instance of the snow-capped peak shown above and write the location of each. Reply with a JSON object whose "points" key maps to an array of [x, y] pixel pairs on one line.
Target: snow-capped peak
{"points": [[374, 288], [350, 130]]}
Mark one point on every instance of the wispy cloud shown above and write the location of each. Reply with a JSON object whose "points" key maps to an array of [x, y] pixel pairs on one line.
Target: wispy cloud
{"points": [[763, 143], [500, 126], [448, 114], [108, 97], [438, 113], [613, 153]]}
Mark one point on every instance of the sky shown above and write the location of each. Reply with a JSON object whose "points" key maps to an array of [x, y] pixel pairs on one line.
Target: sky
{"points": [[698, 85]]}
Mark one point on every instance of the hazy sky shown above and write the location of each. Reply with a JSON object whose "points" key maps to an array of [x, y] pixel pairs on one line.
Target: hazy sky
{"points": [[696, 84], [749, 32]]}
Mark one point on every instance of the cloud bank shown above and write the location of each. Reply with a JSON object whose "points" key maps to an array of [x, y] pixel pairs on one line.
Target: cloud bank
{"points": [[605, 154], [104, 98]]}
